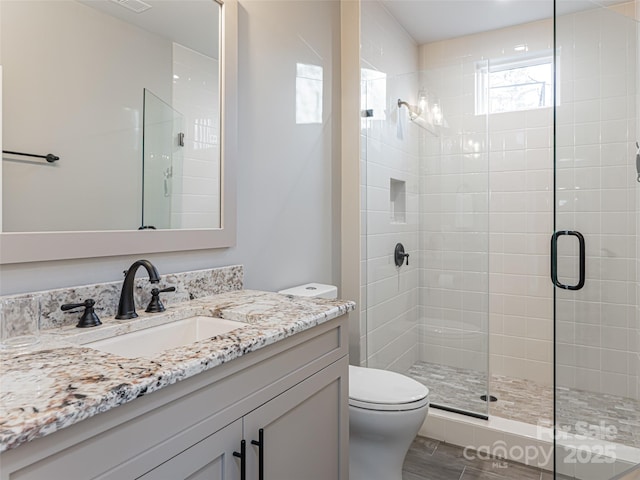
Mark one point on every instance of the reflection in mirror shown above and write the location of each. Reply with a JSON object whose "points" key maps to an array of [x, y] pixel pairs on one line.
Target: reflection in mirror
{"points": [[162, 153], [75, 76]]}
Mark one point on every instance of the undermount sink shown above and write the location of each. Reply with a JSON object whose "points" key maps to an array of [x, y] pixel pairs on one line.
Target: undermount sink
{"points": [[151, 341]]}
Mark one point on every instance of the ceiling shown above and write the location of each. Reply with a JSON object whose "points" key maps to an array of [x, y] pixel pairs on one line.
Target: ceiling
{"points": [[191, 23], [432, 20]]}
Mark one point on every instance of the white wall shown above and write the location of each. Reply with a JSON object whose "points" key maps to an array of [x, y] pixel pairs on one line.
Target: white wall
{"points": [[487, 216], [60, 102], [389, 323], [288, 174]]}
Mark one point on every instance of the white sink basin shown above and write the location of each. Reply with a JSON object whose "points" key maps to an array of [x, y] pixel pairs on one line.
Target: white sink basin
{"points": [[151, 341]]}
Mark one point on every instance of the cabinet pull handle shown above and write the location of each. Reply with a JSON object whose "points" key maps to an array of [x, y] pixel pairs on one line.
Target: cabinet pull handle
{"points": [[260, 444], [243, 459]]}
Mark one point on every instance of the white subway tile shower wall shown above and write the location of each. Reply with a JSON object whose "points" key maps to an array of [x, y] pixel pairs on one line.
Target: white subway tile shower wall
{"points": [[389, 323], [200, 174], [598, 195], [597, 327], [485, 203], [487, 216]]}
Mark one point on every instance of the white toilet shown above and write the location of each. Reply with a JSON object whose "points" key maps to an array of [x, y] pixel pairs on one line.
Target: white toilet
{"points": [[386, 410]]}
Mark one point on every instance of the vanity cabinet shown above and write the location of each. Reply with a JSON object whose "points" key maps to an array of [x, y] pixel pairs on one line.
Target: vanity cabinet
{"points": [[210, 459], [294, 391], [297, 431]]}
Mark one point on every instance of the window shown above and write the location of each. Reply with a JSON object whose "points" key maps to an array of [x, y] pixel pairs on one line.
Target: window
{"points": [[308, 93], [515, 84]]}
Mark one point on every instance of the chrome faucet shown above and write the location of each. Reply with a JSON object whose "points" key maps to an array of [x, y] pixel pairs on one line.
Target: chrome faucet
{"points": [[127, 306]]}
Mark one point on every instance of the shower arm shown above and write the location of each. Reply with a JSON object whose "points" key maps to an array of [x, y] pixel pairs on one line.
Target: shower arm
{"points": [[414, 112]]}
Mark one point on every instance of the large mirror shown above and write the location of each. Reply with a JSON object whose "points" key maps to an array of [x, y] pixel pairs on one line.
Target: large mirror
{"points": [[131, 97]]}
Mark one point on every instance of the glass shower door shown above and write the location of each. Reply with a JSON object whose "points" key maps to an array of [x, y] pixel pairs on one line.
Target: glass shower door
{"points": [[390, 163], [162, 164], [595, 248], [454, 240], [425, 165]]}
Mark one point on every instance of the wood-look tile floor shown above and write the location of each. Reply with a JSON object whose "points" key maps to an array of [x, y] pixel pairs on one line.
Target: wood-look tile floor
{"points": [[430, 459]]}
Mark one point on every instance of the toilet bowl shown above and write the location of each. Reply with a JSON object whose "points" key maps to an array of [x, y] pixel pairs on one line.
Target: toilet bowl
{"points": [[386, 410]]}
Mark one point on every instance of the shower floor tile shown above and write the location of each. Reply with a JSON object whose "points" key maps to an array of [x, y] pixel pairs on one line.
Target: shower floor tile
{"points": [[453, 387], [529, 402]]}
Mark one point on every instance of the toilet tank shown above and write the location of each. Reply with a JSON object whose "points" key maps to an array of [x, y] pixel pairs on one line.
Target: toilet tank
{"points": [[318, 290]]}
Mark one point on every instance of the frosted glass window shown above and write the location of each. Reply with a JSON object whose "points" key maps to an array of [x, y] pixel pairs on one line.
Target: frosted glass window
{"points": [[308, 93], [514, 84]]}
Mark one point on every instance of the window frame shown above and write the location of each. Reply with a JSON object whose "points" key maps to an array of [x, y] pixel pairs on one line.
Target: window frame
{"points": [[484, 69]]}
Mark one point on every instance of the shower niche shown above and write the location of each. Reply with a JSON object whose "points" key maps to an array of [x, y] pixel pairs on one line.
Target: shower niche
{"points": [[398, 200]]}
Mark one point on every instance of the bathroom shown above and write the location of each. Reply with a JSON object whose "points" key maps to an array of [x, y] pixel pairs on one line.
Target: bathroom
{"points": [[297, 209]]}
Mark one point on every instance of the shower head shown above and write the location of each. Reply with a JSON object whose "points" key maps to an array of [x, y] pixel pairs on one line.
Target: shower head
{"points": [[414, 111], [416, 117]]}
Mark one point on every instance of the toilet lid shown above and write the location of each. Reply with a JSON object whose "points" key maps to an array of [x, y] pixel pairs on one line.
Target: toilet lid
{"points": [[382, 390]]}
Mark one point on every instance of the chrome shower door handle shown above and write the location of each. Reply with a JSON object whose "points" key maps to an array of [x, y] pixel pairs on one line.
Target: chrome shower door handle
{"points": [[554, 259]]}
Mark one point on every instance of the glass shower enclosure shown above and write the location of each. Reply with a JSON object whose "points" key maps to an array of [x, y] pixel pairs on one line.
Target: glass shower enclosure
{"points": [[426, 183], [512, 180], [162, 163]]}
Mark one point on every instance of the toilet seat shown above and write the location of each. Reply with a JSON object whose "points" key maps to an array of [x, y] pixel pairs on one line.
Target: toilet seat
{"points": [[375, 389]]}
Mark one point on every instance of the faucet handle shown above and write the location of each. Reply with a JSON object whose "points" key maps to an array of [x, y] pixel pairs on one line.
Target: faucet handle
{"points": [[89, 317], [155, 305]]}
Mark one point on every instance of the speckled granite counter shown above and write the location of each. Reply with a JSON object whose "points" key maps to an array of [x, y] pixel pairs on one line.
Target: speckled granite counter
{"points": [[59, 383]]}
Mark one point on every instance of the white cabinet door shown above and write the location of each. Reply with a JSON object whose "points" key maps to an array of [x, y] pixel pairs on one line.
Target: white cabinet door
{"points": [[304, 430], [210, 459]]}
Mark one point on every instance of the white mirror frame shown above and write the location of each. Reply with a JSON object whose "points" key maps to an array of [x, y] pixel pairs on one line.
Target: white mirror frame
{"points": [[45, 246]]}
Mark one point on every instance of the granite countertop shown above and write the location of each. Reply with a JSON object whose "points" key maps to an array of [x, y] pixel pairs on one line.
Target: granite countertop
{"points": [[58, 382]]}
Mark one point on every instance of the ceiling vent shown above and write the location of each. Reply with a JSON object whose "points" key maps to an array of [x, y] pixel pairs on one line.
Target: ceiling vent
{"points": [[137, 6]]}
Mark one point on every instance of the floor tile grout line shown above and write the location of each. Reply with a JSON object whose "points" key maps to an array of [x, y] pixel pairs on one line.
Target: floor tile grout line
{"points": [[435, 448], [462, 473]]}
